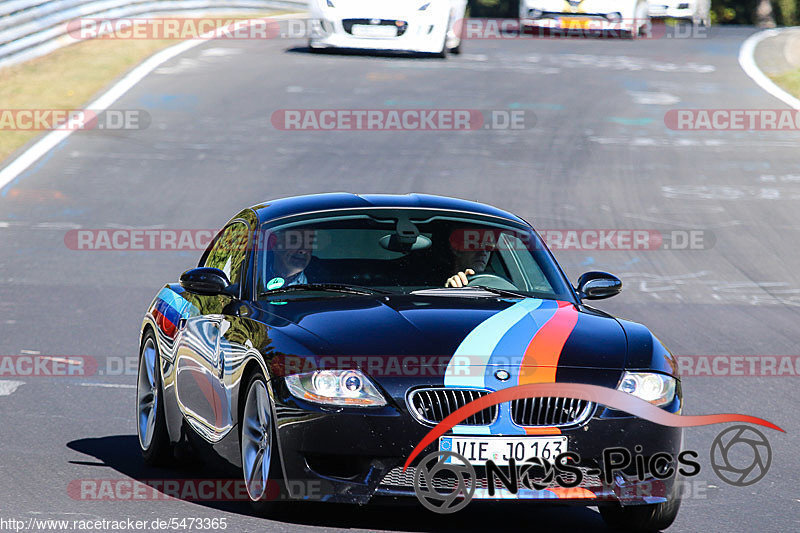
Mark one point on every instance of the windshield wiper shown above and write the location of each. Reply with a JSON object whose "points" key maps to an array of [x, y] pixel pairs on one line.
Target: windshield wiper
{"points": [[326, 287], [500, 292]]}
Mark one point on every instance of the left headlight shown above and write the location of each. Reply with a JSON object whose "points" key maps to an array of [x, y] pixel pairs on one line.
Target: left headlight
{"points": [[335, 387], [658, 389]]}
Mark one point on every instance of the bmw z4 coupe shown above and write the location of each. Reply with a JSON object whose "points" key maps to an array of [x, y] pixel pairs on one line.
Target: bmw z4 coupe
{"points": [[322, 337]]}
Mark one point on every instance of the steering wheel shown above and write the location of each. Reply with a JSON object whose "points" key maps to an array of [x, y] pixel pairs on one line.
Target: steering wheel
{"points": [[490, 280]]}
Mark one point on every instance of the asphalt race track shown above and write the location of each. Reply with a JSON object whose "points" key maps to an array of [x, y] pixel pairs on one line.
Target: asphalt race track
{"points": [[598, 156]]}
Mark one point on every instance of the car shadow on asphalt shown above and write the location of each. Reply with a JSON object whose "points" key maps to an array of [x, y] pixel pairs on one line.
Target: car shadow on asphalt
{"points": [[121, 453], [360, 52]]}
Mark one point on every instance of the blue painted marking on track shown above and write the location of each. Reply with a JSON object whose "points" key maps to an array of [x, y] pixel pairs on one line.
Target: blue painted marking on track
{"points": [[642, 121], [533, 105], [169, 102]]}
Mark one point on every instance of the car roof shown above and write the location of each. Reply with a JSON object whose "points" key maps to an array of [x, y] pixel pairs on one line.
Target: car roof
{"points": [[295, 205]]}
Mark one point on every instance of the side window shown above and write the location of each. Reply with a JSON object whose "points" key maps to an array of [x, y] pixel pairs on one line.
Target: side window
{"points": [[229, 251]]}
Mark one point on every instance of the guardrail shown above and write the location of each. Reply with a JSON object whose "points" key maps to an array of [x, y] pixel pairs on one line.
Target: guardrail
{"points": [[31, 28]]}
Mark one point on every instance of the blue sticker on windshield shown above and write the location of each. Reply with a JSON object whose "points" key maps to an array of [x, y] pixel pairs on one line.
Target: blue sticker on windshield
{"points": [[275, 283]]}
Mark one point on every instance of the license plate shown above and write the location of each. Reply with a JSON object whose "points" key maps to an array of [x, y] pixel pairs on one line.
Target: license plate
{"points": [[478, 450], [575, 23], [384, 31]]}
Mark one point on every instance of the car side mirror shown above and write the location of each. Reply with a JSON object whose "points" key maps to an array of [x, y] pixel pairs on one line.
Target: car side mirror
{"points": [[205, 280], [598, 285]]}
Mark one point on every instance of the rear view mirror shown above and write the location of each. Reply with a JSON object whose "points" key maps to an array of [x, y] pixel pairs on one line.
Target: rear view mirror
{"points": [[394, 244], [205, 280], [598, 285]]}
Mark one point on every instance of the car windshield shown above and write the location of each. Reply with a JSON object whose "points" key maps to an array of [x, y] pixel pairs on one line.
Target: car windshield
{"points": [[405, 251]]}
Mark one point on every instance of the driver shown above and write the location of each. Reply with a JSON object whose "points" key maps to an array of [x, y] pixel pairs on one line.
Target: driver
{"points": [[289, 257], [467, 263]]}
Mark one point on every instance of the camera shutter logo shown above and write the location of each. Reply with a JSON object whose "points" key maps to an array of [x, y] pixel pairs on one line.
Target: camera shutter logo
{"points": [[533, 466], [736, 465], [457, 482]]}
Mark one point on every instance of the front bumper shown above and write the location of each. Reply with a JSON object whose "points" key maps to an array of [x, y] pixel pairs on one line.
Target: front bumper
{"points": [[582, 22], [414, 34], [354, 455], [672, 11]]}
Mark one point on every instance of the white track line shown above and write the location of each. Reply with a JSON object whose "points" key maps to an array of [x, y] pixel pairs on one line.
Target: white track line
{"points": [[8, 387], [54, 138], [109, 385], [748, 64]]}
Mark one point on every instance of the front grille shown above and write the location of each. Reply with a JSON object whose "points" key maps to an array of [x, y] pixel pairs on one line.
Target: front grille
{"points": [[531, 412], [434, 404], [397, 479], [401, 25]]}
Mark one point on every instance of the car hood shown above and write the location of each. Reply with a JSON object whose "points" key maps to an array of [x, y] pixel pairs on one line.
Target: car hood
{"points": [[449, 333]]}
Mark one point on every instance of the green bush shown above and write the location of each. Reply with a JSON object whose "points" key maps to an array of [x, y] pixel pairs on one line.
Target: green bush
{"points": [[494, 8], [785, 12], [733, 11]]}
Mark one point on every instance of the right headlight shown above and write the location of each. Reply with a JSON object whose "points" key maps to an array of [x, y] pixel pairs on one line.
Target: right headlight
{"points": [[658, 389], [335, 387]]}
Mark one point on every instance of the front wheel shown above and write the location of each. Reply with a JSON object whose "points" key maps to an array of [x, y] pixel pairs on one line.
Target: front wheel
{"points": [[458, 30], [313, 49], [443, 53], [151, 422], [643, 518], [257, 440]]}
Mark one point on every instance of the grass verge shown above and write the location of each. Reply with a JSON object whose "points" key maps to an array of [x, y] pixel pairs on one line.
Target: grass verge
{"points": [[789, 81], [69, 77]]}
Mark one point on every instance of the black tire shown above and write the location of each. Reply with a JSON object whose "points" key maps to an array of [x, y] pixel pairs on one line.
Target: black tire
{"points": [[159, 450], [643, 518], [271, 497], [457, 49], [443, 53]]}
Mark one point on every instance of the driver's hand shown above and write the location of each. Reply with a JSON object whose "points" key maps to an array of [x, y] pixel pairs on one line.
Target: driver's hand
{"points": [[460, 279]]}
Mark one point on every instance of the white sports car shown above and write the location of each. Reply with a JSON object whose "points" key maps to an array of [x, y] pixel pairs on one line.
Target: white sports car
{"points": [[698, 11], [629, 17], [427, 26]]}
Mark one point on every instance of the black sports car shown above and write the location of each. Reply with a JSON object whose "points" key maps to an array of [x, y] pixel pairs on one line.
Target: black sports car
{"points": [[322, 337]]}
